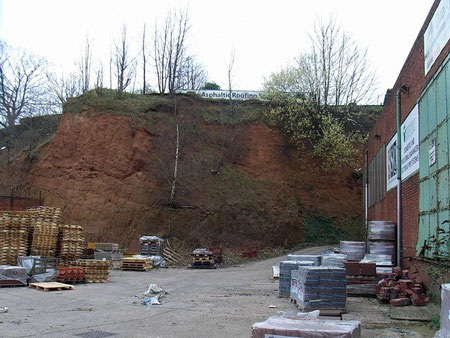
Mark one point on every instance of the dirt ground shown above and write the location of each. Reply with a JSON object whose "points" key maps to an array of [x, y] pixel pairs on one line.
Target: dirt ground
{"points": [[201, 303]]}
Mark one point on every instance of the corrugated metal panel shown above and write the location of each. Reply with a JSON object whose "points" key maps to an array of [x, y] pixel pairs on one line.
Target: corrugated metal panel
{"points": [[423, 125], [434, 187], [377, 177]]}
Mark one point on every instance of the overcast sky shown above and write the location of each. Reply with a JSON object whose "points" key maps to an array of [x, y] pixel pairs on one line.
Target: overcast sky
{"points": [[266, 35]]}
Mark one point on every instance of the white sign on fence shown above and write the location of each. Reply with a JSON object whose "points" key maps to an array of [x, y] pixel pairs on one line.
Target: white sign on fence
{"points": [[409, 150]]}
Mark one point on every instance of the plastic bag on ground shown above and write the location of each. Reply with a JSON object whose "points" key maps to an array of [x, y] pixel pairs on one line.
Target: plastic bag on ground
{"points": [[154, 289], [154, 300]]}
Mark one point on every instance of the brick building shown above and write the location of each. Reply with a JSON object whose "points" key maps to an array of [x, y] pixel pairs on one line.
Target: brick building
{"points": [[421, 99]]}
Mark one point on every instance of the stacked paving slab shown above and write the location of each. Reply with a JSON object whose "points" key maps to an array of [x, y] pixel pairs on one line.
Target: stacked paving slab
{"points": [[321, 288], [284, 288]]}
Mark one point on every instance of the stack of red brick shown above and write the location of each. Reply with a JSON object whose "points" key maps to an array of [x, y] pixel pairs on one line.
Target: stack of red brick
{"points": [[361, 273], [401, 289], [71, 275]]}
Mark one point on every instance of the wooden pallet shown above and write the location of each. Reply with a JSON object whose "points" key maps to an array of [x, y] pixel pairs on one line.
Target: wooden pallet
{"points": [[136, 269], [51, 286]]}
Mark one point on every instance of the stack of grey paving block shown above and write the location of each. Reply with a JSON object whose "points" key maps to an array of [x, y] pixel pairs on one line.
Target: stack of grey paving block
{"points": [[284, 289], [321, 288], [316, 259], [334, 259], [294, 285]]}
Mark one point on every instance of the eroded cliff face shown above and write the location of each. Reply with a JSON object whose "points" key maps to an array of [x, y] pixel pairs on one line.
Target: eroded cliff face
{"points": [[104, 170], [97, 169]]}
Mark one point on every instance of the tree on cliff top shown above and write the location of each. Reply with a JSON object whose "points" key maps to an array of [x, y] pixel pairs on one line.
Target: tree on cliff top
{"points": [[169, 50], [124, 63], [23, 90], [313, 101]]}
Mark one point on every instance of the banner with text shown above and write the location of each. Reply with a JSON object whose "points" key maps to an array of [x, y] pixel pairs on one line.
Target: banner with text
{"points": [[409, 150], [225, 94], [437, 34]]}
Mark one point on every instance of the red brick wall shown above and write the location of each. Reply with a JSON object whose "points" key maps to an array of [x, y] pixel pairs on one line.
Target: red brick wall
{"points": [[18, 203], [413, 76]]}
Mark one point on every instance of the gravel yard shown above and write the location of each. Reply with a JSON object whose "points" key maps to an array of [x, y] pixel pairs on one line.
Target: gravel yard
{"points": [[201, 303]]}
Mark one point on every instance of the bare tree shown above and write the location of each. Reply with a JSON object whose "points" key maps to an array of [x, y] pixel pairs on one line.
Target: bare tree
{"points": [[230, 74], [99, 78], [169, 50], [124, 63], [22, 86], [110, 67], [63, 87], [144, 60], [193, 75], [84, 66], [335, 71]]}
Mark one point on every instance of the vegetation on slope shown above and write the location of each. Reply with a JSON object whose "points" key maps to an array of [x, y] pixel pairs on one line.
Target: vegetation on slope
{"points": [[237, 181]]}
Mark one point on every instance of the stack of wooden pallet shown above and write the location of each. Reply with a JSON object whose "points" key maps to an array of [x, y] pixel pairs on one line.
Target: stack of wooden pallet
{"points": [[45, 237], [202, 259], [46, 214], [95, 271], [14, 227], [137, 264], [71, 243]]}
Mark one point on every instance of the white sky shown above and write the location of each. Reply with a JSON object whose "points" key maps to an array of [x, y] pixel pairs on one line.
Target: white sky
{"points": [[266, 35]]}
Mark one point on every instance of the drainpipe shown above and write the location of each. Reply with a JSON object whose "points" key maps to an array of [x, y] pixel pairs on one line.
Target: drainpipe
{"points": [[402, 89], [366, 199]]}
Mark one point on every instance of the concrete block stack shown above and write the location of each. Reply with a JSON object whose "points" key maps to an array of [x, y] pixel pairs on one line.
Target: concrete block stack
{"points": [[280, 326], [321, 288], [400, 290], [382, 237], [333, 259], [109, 252], [383, 262], [355, 251], [284, 288], [316, 259], [445, 312], [361, 273], [151, 246]]}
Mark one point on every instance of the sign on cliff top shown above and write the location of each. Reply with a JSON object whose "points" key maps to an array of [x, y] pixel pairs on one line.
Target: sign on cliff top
{"points": [[225, 94]]}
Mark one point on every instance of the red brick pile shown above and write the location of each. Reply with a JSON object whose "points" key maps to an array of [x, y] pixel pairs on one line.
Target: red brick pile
{"points": [[399, 288], [71, 275]]}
